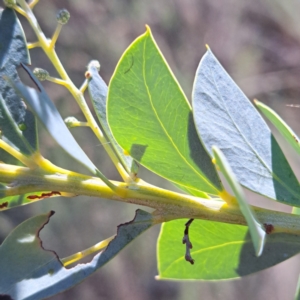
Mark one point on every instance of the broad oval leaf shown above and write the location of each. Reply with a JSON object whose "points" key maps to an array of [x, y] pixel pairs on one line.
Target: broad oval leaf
{"points": [[225, 118], [98, 94], [34, 273], [13, 112], [285, 130], [221, 251], [48, 115], [256, 229], [151, 119]]}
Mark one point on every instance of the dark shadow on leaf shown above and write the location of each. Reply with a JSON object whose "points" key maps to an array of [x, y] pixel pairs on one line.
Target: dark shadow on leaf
{"points": [[199, 154], [279, 247], [7, 158], [281, 166], [13, 52], [137, 151], [5, 297], [7, 35]]}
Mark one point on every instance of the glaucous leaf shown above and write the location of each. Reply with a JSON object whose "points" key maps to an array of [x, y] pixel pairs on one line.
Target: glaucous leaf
{"points": [[225, 118], [221, 251], [98, 94], [31, 272], [152, 120], [17, 124]]}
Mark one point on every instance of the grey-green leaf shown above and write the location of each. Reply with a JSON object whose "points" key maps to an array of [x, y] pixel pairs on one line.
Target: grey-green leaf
{"points": [[225, 118], [98, 93], [13, 112], [48, 115], [34, 273]]}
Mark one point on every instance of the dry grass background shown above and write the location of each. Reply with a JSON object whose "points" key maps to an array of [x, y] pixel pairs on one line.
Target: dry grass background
{"points": [[258, 42]]}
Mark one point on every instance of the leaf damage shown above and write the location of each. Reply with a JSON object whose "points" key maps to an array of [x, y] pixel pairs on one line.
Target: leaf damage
{"points": [[44, 266], [43, 196], [187, 242], [269, 228], [3, 205]]}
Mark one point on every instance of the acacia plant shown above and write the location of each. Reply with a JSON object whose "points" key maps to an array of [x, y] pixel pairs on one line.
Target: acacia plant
{"points": [[145, 118]]}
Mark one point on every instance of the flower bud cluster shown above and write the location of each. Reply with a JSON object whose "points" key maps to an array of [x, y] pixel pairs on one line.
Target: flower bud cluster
{"points": [[63, 16], [69, 121], [41, 74], [10, 3]]}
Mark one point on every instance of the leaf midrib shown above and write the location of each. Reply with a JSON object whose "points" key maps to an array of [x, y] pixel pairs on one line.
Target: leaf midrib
{"points": [[164, 129], [181, 258], [249, 145]]}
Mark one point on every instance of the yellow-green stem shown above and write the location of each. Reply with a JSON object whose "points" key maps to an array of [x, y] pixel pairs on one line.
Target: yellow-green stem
{"points": [[76, 93], [33, 3], [79, 124], [33, 45], [20, 11], [84, 253], [16, 154], [55, 35], [57, 81], [168, 205], [84, 86]]}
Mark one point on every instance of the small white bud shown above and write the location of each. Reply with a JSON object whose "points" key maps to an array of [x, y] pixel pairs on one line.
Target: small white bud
{"points": [[94, 63]]}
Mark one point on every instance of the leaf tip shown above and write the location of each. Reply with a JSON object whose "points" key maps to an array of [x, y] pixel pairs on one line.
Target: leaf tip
{"points": [[148, 29], [207, 47], [256, 102]]}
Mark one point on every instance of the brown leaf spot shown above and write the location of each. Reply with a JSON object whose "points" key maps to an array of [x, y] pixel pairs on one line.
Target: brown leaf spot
{"points": [[44, 195], [3, 205], [295, 139], [87, 75], [269, 228], [32, 197]]}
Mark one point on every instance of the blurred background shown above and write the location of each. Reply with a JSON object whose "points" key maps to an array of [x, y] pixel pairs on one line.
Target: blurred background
{"points": [[258, 43]]}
